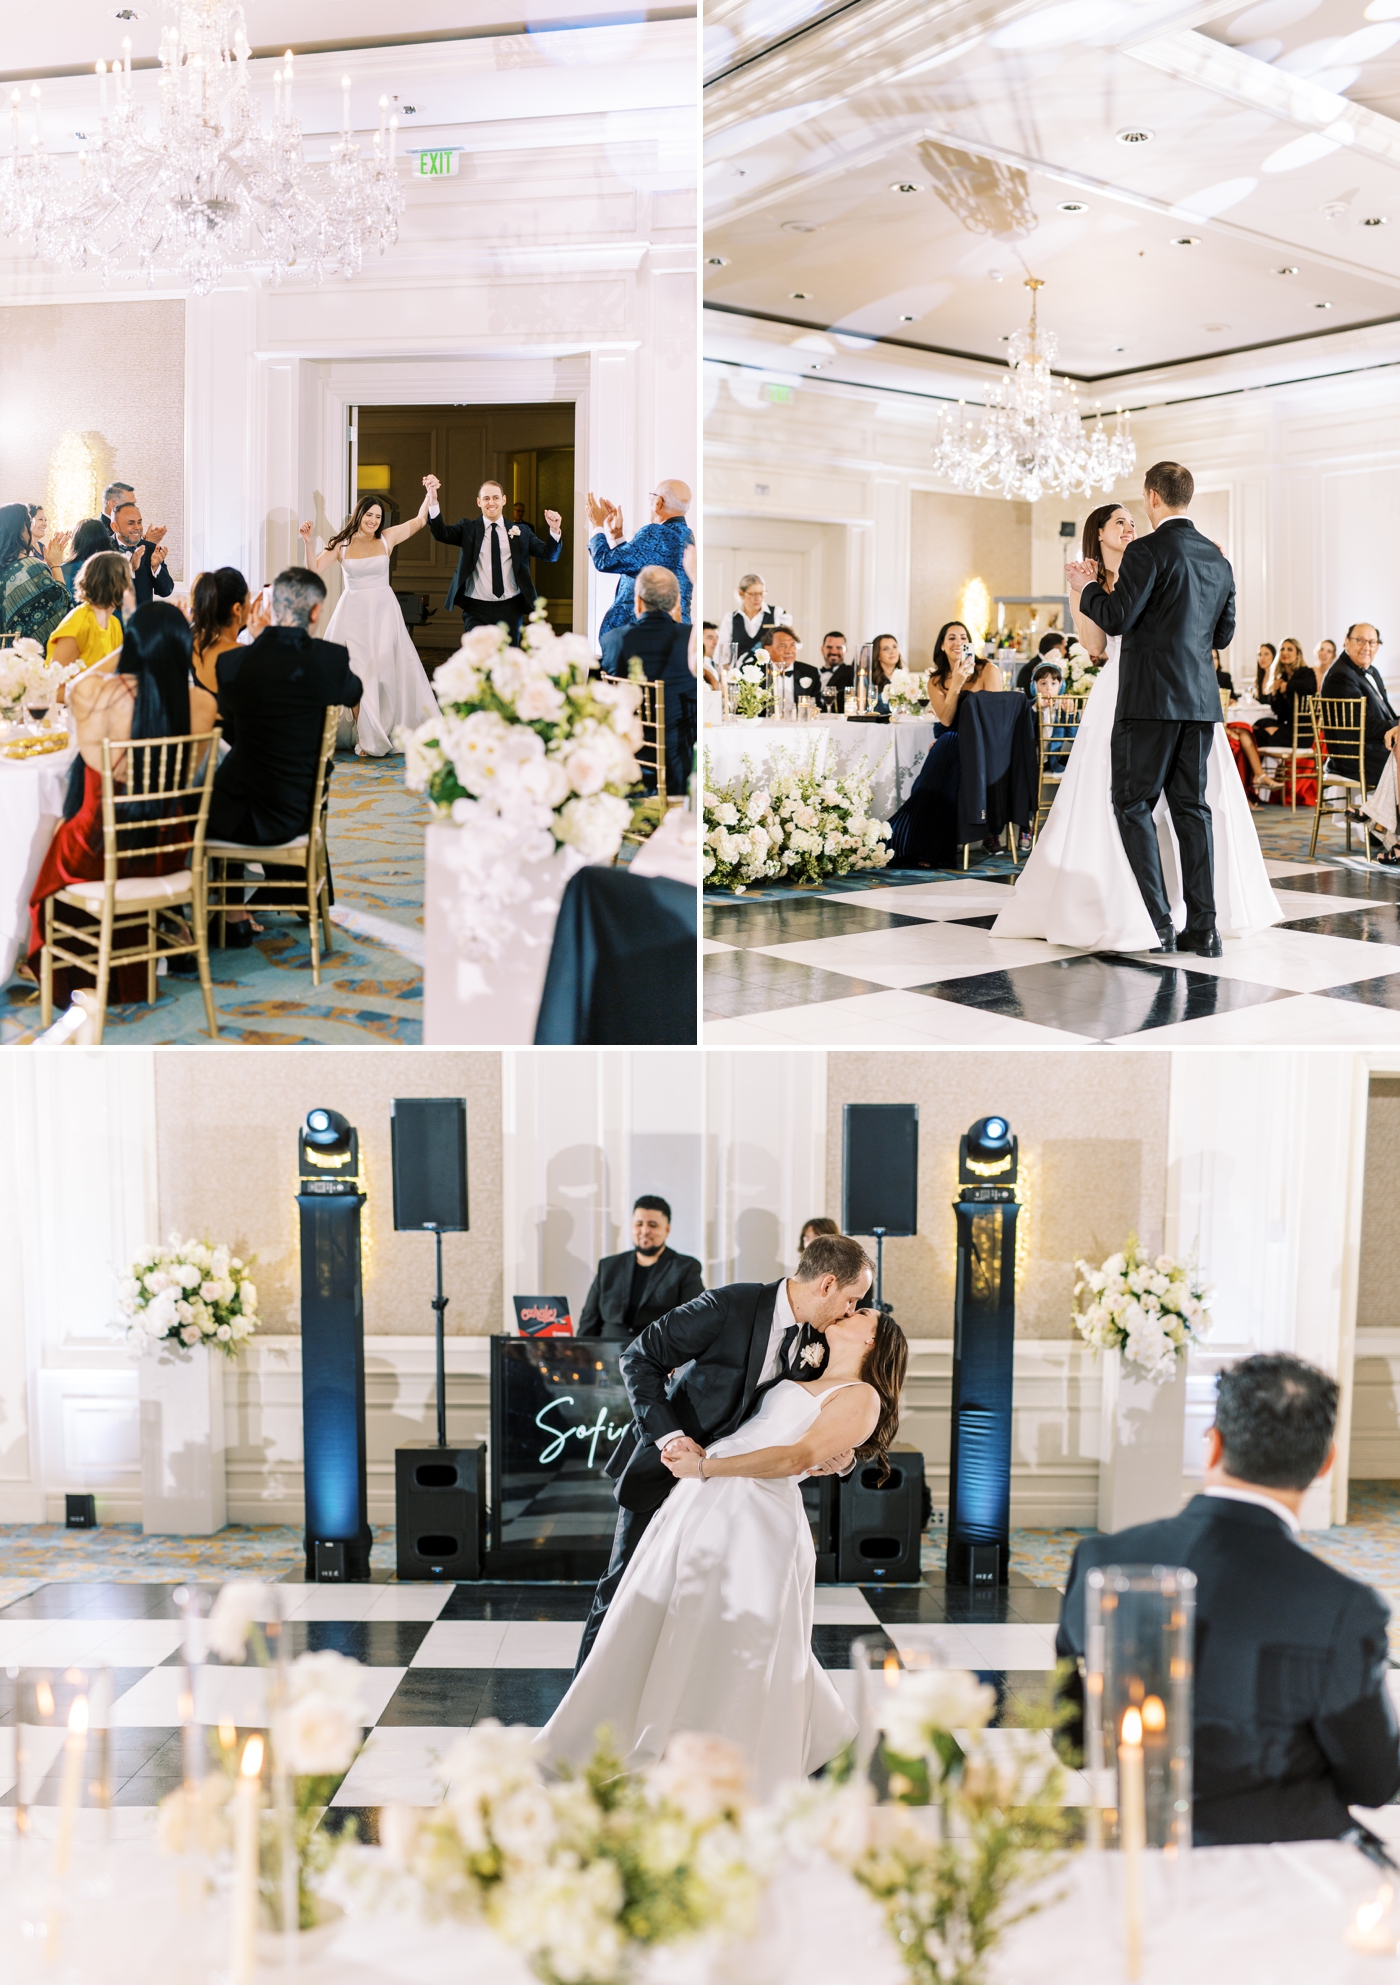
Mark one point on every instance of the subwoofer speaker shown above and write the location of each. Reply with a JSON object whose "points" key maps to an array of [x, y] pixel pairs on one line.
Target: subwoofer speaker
{"points": [[880, 1168], [440, 1511], [429, 1140], [879, 1525], [819, 1495]]}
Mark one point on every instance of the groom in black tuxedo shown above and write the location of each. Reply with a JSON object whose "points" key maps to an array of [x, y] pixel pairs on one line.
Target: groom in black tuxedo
{"points": [[1172, 602], [492, 582], [698, 1372]]}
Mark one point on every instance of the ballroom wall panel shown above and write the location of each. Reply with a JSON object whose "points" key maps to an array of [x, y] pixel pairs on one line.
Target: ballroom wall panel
{"points": [[226, 1150], [100, 387], [954, 539], [1093, 1137]]}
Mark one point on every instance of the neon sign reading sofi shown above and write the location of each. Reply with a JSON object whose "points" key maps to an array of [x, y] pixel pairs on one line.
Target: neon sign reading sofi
{"points": [[590, 1431]]}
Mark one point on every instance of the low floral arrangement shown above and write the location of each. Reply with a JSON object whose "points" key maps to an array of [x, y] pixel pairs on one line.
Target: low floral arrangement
{"points": [[530, 756], [1150, 1310], [315, 1735], [793, 825], [188, 1293], [581, 1875], [904, 692], [1081, 669], [27, 679], [753, 693]]}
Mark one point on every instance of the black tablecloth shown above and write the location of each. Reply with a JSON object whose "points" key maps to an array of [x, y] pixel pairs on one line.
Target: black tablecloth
{"points": [[622, 969], [996, 765]]}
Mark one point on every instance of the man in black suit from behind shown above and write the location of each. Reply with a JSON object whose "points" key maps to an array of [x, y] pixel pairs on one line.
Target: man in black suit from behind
{"points": [[273, 698], [492, 582], [1293, 1721], [697, 1373], [1172, 602], [632, 1289], [661, 643], [1354, 676]]}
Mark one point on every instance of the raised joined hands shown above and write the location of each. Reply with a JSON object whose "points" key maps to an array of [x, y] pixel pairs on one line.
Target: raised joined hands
{"points": [[1079, 572]]}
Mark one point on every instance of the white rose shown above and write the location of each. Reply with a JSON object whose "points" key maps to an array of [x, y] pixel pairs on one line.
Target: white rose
{"points": [[240, 1603], [247, 1297], [727, 814], [224, 1333], [327, 1673], [594, 826], [319, 1734], [935, 1699], [703, 1776], [481, 644], [538, 701], [523, 1824], [190, 1334], [586, 768]]}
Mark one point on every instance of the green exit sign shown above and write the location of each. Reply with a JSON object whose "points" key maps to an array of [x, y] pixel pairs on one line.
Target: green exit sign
{"points": [[778, 396], [437, 165]]}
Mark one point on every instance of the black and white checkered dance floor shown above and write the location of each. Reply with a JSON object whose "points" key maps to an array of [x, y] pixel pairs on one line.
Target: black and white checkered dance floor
{"points": [[909, 961], [439, 1659]]}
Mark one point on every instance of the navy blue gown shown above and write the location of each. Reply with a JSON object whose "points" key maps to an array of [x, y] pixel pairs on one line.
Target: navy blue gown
{"points": [[924, 832]]}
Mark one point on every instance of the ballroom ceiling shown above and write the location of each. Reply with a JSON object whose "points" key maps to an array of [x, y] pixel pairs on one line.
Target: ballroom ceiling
{"points": [[894, 169]]}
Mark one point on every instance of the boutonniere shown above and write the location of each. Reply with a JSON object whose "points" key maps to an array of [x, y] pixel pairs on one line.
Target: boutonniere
{"points": [[515, 530], [815, 1354]]}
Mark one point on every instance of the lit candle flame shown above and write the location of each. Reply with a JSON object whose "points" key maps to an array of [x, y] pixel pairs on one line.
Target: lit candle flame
{"points": [[891, 1670], [43, 1696], [78, 1716], [1132, 1727], [251, 1766], [1154, 1715], [228, 1736]]}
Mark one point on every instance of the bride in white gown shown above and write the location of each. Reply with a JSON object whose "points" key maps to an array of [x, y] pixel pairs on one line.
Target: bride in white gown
{"points": [[1077, 887], [711, 1627], [368, 620]]}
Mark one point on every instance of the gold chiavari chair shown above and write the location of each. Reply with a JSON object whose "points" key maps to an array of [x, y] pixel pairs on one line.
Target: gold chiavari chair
{"points": [[651, 756], [155, 800], [1338, 728], [306, 852], [1057, 726]]}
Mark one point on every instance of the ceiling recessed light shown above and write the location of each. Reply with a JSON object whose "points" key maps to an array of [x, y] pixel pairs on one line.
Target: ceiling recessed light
{"points": [[1134, 135], [1120, 348], [1374, 220], [906, 320], [800, 227], [1186, 241], [1071, 207], [1322, 306], [1286, 272], [717, 261], [1005, 338], [905, 186], [800, 295]]}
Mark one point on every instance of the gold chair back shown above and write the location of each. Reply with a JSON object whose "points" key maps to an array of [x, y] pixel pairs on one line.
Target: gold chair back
{"points": [[1057, 725], [1338, 727]]}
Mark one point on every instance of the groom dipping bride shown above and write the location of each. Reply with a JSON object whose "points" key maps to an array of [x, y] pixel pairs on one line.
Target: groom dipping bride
{"points": [[703, 1620]]}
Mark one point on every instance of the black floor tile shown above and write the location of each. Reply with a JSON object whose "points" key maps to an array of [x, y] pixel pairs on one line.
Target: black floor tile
{"points": [[976, 923], [1379, 885], [1100, 998], [428, 1696], [517, 1602], [832, 1645], [554, 1602], [1382, 991], [795, 920], [140, 1791], [363, 1819], [1378, 923], [378, 1643], [522, 1695], [74, 1600], [742, 982]]}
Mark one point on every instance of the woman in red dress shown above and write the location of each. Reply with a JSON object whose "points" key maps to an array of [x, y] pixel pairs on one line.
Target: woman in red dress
{"points": [[152, 692]]}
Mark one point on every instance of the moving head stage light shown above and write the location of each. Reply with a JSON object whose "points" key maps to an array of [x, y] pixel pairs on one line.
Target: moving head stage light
{"points": [[984, 1332], [329, 1199]]}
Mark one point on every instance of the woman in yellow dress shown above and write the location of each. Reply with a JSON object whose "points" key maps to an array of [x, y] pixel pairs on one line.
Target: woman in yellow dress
{"points": [[91, 633]]}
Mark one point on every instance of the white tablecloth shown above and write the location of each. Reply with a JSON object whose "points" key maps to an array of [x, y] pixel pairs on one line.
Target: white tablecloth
{"points": [[31, 806], [893, 753], [673, 850]]}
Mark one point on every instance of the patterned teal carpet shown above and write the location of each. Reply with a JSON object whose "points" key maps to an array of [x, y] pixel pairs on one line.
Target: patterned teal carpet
{"points": [[372, 985]]}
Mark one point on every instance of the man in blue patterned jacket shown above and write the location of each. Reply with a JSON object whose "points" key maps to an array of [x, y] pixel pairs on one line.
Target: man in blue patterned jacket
{"points": [[661, 542]]}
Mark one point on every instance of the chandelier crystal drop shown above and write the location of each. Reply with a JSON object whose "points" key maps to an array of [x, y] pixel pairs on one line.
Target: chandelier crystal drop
{"points": [[1031, 439], [206, 190]]}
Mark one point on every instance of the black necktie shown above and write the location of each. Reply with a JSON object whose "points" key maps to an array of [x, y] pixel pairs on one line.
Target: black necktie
{"points": [[498, 584]]}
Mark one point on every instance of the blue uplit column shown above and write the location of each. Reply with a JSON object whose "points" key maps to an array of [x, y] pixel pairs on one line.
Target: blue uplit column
{"points": [[333, 1354], [984, 1334]]}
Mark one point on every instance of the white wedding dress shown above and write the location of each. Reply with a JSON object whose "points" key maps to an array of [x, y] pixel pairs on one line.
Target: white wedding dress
{"points": [[711, 1627], [368, 620], [1077, 887]]}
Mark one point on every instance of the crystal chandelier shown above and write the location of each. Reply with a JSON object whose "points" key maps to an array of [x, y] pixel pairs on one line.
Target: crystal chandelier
{"points": [[1031, 438], [207, 190]]}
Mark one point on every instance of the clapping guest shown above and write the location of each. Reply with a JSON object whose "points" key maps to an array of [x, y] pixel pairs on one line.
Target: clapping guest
{"points": [[112, 495], [33, 597], [91, 537], [50, 546], [145, 553], [660, 641], [664, 540], [92, 633], [1293, 1722]]}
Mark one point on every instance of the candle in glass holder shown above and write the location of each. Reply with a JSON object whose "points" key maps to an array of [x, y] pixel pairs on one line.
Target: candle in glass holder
{"points": [[1132, 1828], [247, 1815], [1374, 1930], [74, 1751]]}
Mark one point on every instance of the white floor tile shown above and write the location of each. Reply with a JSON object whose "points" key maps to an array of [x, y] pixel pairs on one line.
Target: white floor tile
{"points": [[1306, 1022], [152, 1703], [41, 1750], [1275, 869], [886, 1019], [709, 944], [971, 893], [743, 1034], [540, 1644], [331, 1602], [140, 1643], [67, 1643], [843, 1606], [1298, 961], [461, 1644], [16, 1636], [917, 954], [1013, 1644], [397, 1763], [409, 1602]]}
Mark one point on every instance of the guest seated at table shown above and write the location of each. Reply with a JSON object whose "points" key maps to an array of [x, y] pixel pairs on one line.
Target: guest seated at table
{"points": [[273, 697], [839, 673], [220, 610], [1287, 683], [812, 1228], [150, 693], [924, 831], [1293, 1723], [885, 658], [709, 637], [91, 633], [632, 1289], [1324, 654], [91, 536], [33, 597], [748, 627], [1051, 648], [660, 642], [806, 677], [1354, 676], [1265, 661], [1224, 680]]}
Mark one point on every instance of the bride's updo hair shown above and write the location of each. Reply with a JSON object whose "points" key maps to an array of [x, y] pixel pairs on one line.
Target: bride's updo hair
{"points": [[370, 501], [1093, 532], [884, 1367]]}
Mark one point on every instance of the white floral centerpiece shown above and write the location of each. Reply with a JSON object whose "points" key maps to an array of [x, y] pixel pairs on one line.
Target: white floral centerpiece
{"points": [[753, 695], [904, 692], [527, 757], [188, 1293], [1081, 669], [794, 824], [583, 1874], [26, 678], [1152, 1310]]}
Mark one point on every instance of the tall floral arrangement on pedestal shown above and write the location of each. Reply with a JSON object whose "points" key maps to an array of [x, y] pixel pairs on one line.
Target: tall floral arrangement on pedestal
{"points": [[1152, 1309], [526, 756], [792, 824], [188, 1293]]}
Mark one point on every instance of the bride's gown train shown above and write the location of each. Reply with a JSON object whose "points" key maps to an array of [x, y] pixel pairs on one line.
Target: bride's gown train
{"points": [[369, 621], [1077, 887], [711, 1627]]}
